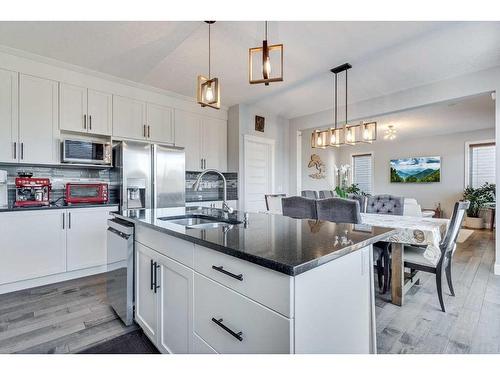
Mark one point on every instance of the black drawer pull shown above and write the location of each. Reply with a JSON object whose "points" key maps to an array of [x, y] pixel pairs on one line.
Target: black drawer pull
{"points": [[156, 266], [228, 330], [151, 270], [222, 270]]}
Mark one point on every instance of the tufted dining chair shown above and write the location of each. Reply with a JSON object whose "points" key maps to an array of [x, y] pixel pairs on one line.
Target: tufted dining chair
{"points": [[312, 194], [339, 210], [361, 199], [299, 207], [384, 205]]}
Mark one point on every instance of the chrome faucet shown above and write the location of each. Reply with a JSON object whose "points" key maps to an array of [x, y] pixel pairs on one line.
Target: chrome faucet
{"points": [[196, 187]]}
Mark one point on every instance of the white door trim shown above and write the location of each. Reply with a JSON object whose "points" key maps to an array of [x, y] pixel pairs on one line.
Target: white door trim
{"points": [[251, 138]]}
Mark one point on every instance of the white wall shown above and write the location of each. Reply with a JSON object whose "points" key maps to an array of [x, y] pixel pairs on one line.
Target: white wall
{"points": [[241, 122], [450, 147]]}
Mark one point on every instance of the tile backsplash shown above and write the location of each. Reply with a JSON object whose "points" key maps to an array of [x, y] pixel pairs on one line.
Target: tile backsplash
{"points": [[59, 176], [211, 187]]}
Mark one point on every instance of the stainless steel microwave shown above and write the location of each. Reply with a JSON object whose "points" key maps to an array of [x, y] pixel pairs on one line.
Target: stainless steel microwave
{"points": [[79, 151]]}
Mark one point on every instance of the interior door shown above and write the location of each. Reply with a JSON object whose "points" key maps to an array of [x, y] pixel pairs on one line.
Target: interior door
{"points": [[38, 120], [175, 307], [8, 116], [187, 135], [259, 172], [129, 118], [99, 112], [73, 108], [146, 308], [214, 147], [160, 122]]}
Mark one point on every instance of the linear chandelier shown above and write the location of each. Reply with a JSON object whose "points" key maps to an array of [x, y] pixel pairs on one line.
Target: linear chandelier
{"points": [[208, 88], [364, 132]]}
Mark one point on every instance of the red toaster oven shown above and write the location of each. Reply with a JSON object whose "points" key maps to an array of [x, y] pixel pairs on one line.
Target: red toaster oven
{"points": [[86, 193]]}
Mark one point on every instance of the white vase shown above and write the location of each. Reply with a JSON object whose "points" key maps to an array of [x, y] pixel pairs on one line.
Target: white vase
{"points": [[474, 222]]}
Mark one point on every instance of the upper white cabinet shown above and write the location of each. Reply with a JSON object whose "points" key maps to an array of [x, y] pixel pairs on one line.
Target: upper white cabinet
{"points": [[38, 120], [160, 123], [204, 140], [9, 125], [84, 110]]}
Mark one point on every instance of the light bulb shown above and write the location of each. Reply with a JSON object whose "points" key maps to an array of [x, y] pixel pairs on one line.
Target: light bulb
{"points": [[209, 94], [319, 141], [266, 68], [349, 135], [366, 134]]}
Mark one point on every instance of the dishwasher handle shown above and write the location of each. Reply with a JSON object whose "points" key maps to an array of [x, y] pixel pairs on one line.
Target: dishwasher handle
{"points": [[118, 233]]}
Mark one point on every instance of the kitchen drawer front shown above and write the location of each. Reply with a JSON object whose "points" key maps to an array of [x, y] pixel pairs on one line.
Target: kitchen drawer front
{"points": [[172, 247], [200, 346], [262, 330], [270, 288]]}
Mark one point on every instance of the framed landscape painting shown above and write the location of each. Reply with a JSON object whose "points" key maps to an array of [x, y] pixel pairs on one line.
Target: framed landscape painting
{"points": [[416, 170]]}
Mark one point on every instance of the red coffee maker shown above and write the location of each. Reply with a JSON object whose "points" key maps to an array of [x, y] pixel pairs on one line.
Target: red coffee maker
{"points": [[32, 192]]}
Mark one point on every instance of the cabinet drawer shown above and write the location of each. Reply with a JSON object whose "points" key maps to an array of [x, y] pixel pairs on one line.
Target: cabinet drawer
{"points": [[262, 330], [172, 247], [200, 346], [270, 288]]}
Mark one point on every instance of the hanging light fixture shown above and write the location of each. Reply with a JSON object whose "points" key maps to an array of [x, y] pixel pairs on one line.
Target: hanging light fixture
{"points": [[208, 88], [390, 133], [264, 54], [347, 134]]}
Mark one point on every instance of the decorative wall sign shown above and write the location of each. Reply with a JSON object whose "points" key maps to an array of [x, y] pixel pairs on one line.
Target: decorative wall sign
{"points": [[259, 123], [320, 168]]}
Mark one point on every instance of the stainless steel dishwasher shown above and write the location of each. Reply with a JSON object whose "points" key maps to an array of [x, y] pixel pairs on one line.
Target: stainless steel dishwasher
{"points": [[120, 267]]}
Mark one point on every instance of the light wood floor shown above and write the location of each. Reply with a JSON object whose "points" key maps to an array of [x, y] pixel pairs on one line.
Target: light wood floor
{"points": [[471, 323], [72, 316]]}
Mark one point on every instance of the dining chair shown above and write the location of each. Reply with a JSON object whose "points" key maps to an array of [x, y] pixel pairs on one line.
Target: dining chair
{"points": [[412, 208], [312, 194], [384, 205], [414, 256], [361, 199], [273, 203], [299, 207], [339, 210], [323, 194]]}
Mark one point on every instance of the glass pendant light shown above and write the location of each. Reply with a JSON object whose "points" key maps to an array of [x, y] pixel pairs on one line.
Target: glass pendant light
{"points": [[264, 54], [208, 88]]}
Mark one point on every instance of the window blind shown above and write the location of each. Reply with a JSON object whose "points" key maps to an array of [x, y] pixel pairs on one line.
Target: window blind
{"points": [[481, 164], [362, 172]]}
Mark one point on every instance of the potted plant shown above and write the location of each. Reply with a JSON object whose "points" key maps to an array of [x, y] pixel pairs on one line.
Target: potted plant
{"points": [[478, 198]]}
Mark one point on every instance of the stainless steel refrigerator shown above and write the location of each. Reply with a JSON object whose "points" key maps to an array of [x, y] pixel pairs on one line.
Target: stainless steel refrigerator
{"points": [[151, 176]]}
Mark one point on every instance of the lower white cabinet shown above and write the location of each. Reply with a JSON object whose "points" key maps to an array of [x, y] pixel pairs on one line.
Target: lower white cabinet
{"points": [[164, 300]]}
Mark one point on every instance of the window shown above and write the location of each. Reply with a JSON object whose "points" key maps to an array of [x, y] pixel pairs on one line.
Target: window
{"points": [[481, 163], [362, 172]]}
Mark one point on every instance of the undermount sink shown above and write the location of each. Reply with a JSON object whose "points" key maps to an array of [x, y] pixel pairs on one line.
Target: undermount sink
{"points": [[200, 221]]}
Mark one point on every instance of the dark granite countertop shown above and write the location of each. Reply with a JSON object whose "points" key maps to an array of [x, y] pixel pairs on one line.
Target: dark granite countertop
{"points": [[287, 245], [56, 207]]}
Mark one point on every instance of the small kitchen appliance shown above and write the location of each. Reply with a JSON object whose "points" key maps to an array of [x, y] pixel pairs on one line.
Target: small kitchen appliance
{"points": [[81, 151], [86, 193], [32, 191], [4, 203]]}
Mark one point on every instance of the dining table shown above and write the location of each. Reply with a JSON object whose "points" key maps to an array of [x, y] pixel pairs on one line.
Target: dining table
{"points": [[410, 230]]}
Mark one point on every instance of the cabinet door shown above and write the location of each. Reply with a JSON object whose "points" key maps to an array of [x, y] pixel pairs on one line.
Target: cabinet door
{"points": [[175, 307], [99, 112], [146, 306], [38, 120], [187, 135], [8, 116], [214, 146], [160, 123], [73, 108], [129, 118], [33, 245], [87, 237]]}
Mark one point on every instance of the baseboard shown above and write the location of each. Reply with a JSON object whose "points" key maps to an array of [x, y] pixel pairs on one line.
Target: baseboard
{"points": [[497, 268], [51, 279]]}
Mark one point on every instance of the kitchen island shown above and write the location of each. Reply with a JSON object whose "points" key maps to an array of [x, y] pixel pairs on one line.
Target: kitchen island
{"points": [[211, 282]]}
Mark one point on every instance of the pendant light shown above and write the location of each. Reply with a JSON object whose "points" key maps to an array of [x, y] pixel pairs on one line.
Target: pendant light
{"points": [[208, 88], [264, 54]]}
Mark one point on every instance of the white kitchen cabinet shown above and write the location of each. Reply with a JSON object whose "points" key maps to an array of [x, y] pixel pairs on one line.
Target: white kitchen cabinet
{"points": [[146, 305], [38, 120], [160, 123], [129, 118], [9, 125], [33, 245], [175, 307], [204, 140], [84, 110], [86, 237]]}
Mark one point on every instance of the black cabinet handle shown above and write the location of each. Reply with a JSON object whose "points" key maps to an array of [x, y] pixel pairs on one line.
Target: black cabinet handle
{"points": [[15, 150], [22, 150], [69, 220], [151, 274], [85, 121], [227, 329], [222, 270], [90, 122], [156, 277]]}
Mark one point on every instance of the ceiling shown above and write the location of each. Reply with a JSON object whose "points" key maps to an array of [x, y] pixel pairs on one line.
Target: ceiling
{"points": [[386, 56], [469, 114]]}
